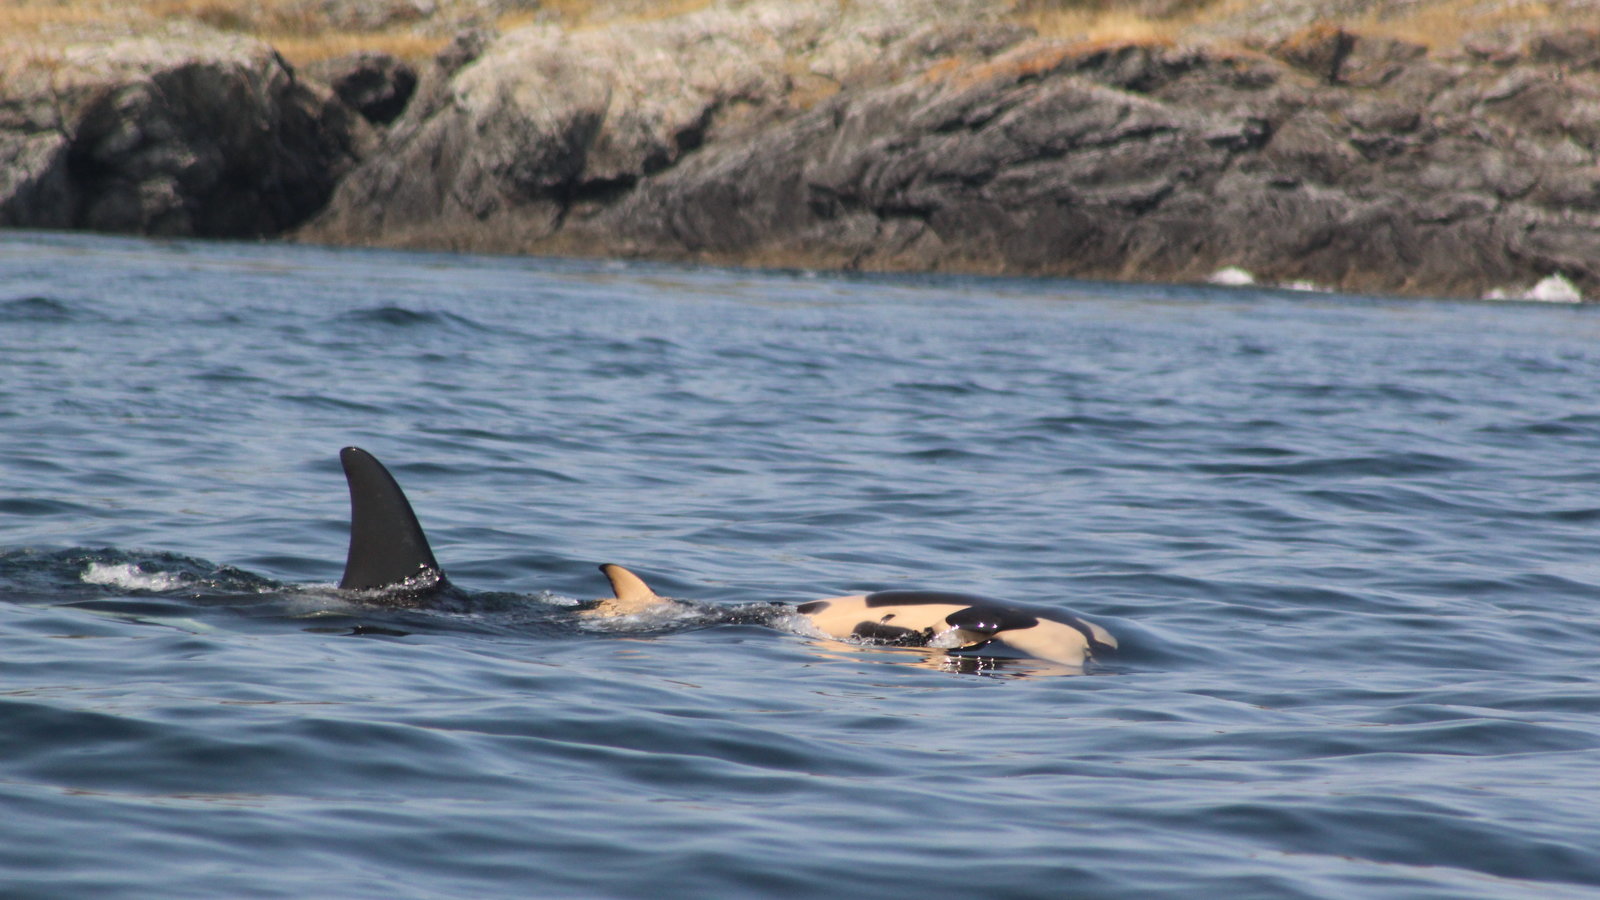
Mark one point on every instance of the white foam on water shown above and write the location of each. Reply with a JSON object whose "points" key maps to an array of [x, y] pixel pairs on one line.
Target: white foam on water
{"points": [[1303, 285], [1231, 276], [1554, 289], [661, 616], [130, 577], [794, 623], [555, 599], [1550, 289]]}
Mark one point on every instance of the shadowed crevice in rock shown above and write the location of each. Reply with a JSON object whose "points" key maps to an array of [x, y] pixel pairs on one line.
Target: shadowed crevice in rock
{"points": [[376, 85], [180, 137]]}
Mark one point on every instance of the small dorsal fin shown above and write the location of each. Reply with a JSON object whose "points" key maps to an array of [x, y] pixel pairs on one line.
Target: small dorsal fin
{"points": [[628, 587], [387, 546], [629, 596]]}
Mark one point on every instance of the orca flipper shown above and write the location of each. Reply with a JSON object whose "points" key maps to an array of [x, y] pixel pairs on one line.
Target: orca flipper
{"points": [[387, 546]]}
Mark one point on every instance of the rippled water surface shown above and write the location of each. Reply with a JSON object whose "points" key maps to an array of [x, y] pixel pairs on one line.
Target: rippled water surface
{"points": [[1349, 547]]}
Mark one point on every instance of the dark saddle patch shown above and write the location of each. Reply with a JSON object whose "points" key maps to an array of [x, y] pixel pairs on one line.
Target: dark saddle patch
{"points": [[989, 618]]}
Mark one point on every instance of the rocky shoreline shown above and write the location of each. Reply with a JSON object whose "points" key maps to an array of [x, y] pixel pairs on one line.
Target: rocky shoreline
{"points": [[884, 136]]}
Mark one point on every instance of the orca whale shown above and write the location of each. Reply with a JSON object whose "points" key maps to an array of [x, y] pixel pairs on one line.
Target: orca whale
{"points": [[389, 553], [967, 622], [936, 619]]}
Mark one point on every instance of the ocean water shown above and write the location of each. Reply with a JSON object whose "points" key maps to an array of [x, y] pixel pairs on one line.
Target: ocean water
{"points": [[1348, 546]]}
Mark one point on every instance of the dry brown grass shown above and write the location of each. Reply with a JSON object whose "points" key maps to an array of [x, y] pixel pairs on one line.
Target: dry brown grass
{"points": [[1097, 23], [593, 13], [1103, 21], [302, 49], [299, 31], [32, 15], [220, 14], [303, 31], [1437, 24], [1445, 23]]}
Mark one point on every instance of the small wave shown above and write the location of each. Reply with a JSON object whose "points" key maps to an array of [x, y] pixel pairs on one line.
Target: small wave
{"points": [[335, 404], [33, 506], [1089, 424], [947, 388], [40, 309], [400, 317], [1388, 465], [1580, 425], [225, 375], [1582, 515], [944, 454]]}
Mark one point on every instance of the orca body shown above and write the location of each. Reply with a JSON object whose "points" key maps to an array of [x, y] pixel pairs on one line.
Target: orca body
{"points": [[945, 620], [389, 553], [959, 621]]}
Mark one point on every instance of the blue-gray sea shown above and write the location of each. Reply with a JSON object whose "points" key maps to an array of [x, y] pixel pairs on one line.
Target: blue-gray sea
{"points": [[1348, 544]]}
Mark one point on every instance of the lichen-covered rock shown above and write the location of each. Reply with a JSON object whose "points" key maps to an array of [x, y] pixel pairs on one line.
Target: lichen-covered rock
{"points": [[200, 134]]}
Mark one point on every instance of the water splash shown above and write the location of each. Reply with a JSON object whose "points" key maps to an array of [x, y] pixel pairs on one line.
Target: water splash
{"points": [[130, 576]]}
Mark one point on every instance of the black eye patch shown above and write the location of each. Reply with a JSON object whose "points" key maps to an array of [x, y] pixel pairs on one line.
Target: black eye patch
{"points": [[989, 618]]}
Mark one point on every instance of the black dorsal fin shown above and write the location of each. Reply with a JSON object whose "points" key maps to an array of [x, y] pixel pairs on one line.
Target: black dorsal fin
{"points": [[387, 546]]}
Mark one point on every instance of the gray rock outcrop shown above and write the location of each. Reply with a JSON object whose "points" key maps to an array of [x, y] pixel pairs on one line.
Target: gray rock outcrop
{"points": [[1330, 158], [878, 134], [1368, 167], [511, 136], [200, 134]]}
